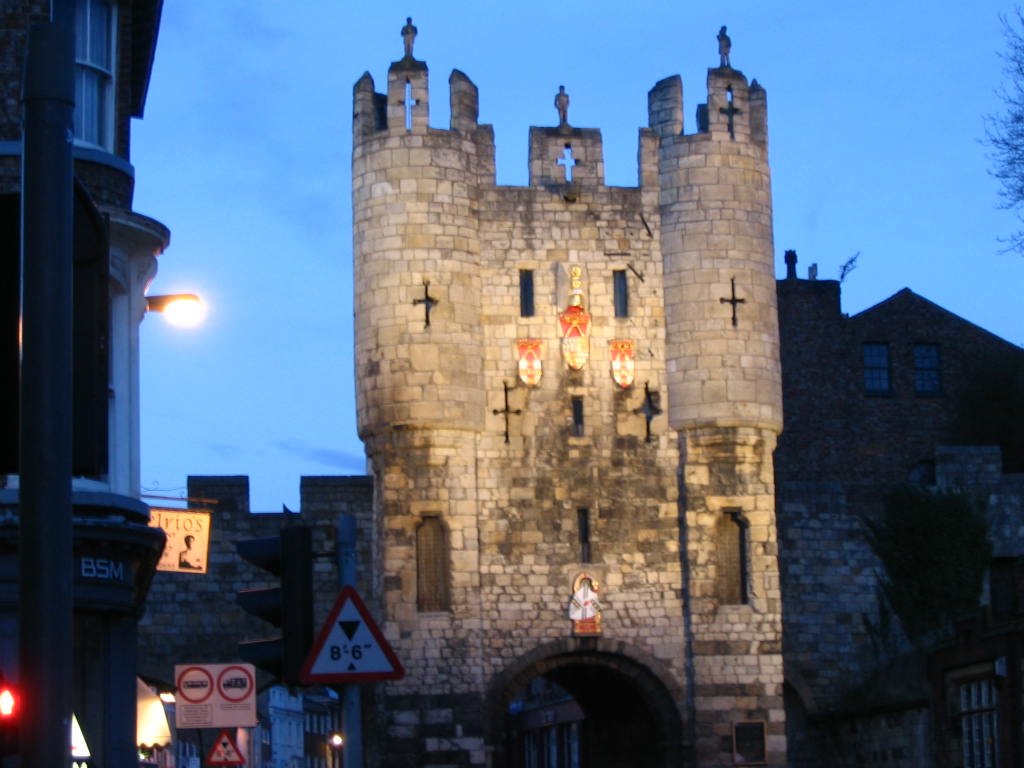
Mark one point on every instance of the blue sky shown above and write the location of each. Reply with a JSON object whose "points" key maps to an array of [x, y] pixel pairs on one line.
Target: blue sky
{"points": [[875, 112]]}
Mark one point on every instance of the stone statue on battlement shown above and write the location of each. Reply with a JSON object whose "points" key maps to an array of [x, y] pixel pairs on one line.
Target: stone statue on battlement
{"points": [[724, 47], [562, 105], [409, 36]]}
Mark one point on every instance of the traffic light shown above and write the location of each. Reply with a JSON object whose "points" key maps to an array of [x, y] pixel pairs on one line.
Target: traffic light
{"points": [[288, 606], [10, 717]]}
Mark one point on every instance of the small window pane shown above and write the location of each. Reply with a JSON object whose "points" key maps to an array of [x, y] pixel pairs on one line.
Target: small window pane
{"points": [[927, 370], [94, 71], [526, 293], [621, 293], [81, 23], [90, 105], [99, 35], [577, 417], [583, 522], [876, 367]]}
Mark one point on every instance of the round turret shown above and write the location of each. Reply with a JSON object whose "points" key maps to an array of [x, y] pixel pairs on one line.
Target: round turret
{"points": [[417, 274], [716, 215]]}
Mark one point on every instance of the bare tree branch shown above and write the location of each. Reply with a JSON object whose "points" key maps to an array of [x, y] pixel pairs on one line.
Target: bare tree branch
{"points": [[1004, 132]]}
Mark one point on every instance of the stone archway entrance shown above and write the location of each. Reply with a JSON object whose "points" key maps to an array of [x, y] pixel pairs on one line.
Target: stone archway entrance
{"points": [[574, 704]]}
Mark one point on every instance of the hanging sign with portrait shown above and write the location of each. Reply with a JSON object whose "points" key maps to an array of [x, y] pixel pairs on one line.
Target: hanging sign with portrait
{"points": [[188, 538]]}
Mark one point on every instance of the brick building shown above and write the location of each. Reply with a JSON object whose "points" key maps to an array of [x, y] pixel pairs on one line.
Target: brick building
{"points": [[873, 401]]}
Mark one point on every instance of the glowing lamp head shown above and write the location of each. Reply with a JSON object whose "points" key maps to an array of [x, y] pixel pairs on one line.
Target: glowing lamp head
{"points": [[336, 740], [181, 309]]}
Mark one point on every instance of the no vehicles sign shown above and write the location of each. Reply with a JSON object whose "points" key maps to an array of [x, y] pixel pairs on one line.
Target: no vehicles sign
{"points": [[215, 695]]}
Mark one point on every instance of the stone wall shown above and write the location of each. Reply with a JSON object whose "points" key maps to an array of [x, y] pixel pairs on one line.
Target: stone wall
{"points": [[510, 467], [194, 617]]}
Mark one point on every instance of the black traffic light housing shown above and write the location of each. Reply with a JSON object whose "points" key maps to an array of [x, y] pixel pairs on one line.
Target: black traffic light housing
{"points": [[288, 606]]}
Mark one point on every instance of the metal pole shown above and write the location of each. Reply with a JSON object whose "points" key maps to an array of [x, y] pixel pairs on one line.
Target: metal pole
{"points": [[45, 605], [352, 712]]}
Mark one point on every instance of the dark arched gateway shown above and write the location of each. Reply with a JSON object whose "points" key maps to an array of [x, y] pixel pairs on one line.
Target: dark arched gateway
{"points": [[623, 710]]}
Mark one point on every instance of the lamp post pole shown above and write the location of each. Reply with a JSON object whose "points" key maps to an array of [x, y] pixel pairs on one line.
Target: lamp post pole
{"points": [[352, 713], [46, 611]]}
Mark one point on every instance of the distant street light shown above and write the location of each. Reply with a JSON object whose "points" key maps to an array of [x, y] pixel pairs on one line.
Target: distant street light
{"points": [[181, 309]]}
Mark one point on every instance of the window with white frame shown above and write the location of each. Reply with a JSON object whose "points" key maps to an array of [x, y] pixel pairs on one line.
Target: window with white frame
{"points": [[977, 713], [94, 73]]}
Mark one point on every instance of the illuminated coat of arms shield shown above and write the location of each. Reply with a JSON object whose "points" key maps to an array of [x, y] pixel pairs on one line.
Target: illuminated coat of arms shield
{"points": [[530, 368], [575, 322], [623, 356]]}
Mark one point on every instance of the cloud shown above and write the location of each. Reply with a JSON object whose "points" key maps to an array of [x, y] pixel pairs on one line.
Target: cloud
{"points": [[347, 461]]}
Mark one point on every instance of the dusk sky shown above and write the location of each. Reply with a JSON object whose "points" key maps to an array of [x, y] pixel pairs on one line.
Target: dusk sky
{"points": [[876, 115]]}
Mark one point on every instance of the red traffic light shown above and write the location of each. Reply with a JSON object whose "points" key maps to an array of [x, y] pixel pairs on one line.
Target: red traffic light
{"points": [[10, 703]]}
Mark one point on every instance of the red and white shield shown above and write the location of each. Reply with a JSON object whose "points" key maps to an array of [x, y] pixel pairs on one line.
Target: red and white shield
{"points": [[575, 323], [623, 355], [530, 368]]}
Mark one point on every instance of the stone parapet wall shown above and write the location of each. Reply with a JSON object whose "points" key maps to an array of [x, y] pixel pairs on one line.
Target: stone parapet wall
{"points": [[194, 617]]}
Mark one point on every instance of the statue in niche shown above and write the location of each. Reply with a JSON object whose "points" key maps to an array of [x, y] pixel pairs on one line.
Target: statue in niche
{"points": [[584, 607], [724, 47], [562, 105], [409, 36]]}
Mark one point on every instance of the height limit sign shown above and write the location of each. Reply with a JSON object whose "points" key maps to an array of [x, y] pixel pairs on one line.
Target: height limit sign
{"points": [[350, 648]]}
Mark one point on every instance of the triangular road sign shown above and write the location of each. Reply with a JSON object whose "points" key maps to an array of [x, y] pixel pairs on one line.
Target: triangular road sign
{"points": [[225, 751], [350, 648]]}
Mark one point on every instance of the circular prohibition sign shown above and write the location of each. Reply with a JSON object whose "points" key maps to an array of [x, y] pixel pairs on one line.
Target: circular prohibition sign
{"points": [[185, 689], [235, 693]]}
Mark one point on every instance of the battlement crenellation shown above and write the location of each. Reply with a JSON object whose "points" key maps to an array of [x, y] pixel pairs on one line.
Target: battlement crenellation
{"points": [[564, 157]]}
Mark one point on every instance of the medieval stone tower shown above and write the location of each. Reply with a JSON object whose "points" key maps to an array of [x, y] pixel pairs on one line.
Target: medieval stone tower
{"points": [[569, 391]]}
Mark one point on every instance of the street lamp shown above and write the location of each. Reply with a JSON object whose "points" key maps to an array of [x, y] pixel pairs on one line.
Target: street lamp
{"points": [[182, 309], [335, 745]]}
